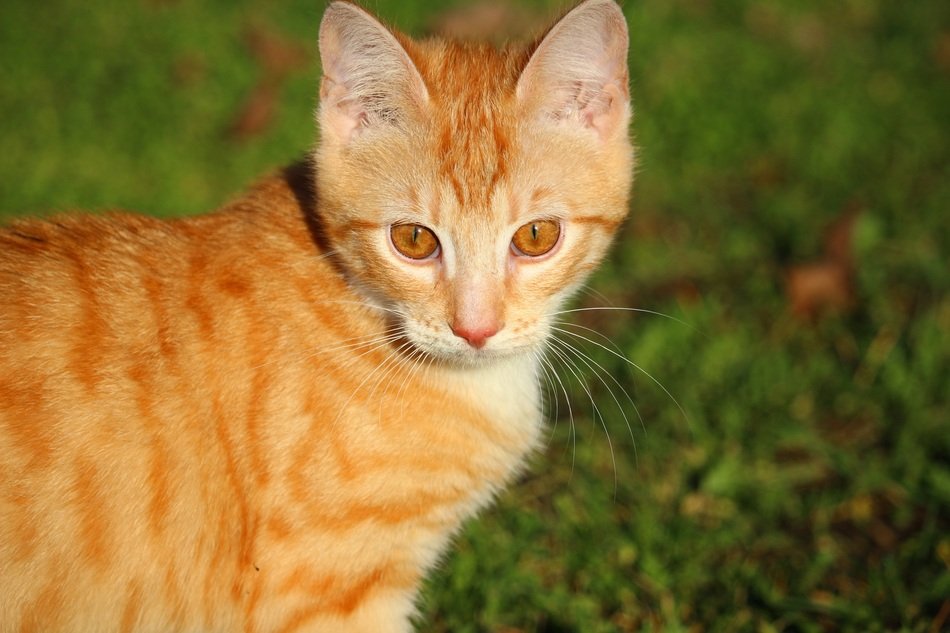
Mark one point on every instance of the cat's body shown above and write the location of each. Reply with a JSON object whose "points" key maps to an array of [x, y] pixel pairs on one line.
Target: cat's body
{"points": [[273, 418], [189, 422]]}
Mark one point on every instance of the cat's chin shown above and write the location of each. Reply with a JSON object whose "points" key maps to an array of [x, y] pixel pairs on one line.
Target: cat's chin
{"points": [[469, 357]]}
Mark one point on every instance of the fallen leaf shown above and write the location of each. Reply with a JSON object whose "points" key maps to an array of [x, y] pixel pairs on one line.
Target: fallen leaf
{"points": [[815, 288], [827, 284], [257, 112], [277, 57], [941, 52], [489, 19], [275, 53]]}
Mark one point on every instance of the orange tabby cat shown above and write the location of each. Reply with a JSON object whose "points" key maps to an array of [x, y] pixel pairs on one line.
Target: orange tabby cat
{"points": [[273, 418]]}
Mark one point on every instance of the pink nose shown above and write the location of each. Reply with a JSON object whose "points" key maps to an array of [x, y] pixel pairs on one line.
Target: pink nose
{"points": [[476, 335]]}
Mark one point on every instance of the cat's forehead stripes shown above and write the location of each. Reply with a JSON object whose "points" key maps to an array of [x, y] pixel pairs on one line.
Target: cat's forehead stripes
{"points": [[472, 121]]}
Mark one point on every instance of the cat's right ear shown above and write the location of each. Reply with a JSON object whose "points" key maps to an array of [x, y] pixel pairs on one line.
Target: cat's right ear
{"points": [[368, 78], [578, 72]]}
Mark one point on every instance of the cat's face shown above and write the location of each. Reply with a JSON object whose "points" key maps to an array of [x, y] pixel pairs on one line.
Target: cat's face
{"points": [[471, 190]]}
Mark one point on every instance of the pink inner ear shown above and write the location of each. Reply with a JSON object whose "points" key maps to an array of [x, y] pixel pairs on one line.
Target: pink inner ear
{"points": [[579, 71], [598, 108], [369, 78], [605, 112], [349, 119], [345, 114]]}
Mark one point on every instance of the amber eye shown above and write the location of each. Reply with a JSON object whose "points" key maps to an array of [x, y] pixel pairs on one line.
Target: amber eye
{"points": [[535, 239], [414, 240]]}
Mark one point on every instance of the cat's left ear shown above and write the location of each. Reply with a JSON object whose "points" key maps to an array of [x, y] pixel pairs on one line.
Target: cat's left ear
{"points": [[578, 73], [369, 80]]}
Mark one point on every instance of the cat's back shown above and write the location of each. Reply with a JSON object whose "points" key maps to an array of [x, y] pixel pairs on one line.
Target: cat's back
{"points": [[70, 295], [85, 286], [126, 344], [74, 321], [78, 293], [53, 265]]}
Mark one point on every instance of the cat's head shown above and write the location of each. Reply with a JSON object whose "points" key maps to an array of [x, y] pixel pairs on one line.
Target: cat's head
{"points": [[471, 190]]}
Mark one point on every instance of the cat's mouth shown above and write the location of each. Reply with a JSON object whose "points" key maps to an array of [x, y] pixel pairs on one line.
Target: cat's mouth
{"points": [[427, 340], [458, 352]]}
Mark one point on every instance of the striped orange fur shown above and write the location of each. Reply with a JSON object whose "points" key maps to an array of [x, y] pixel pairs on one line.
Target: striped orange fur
{"points": [[269, 419]]}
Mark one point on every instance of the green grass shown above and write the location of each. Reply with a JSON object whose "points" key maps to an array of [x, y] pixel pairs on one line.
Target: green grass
{"points": [[807, 485]]}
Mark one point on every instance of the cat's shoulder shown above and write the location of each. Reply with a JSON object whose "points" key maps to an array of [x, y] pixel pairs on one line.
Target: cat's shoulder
{"points": [[280, 202], [66, 234]]}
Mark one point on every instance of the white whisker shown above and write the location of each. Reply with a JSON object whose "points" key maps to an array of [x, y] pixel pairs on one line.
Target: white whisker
{"points": [[623, 309], [567, 401], [576, 371], [550, 386], [405, 360], [352, 343], [386, 361], [415, 366], [366, 304], [602, 368], [548, 393], [591, 330], [596, 368], [596, 294], [640, 369]]}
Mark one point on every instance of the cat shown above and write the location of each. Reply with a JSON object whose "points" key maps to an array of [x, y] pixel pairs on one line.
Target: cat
{"points": [[273, 418]]}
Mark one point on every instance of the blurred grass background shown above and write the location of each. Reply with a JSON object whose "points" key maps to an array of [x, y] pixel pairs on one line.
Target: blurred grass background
{"points": [[791, 207]]}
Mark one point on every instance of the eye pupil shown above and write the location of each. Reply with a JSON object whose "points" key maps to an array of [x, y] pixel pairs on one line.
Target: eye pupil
{"points": [[414, 241], [536, 238]]}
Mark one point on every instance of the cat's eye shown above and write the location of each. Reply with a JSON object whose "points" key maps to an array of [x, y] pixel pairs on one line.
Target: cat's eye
{"points": [[537, 238], [414, 241]]}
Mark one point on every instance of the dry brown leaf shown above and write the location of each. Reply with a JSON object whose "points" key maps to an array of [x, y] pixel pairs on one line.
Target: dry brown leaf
{"points": [[827, 284], [257, 112], [277, 57], [815, 288], [275, 53], [489, 19], [941, 52]]}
